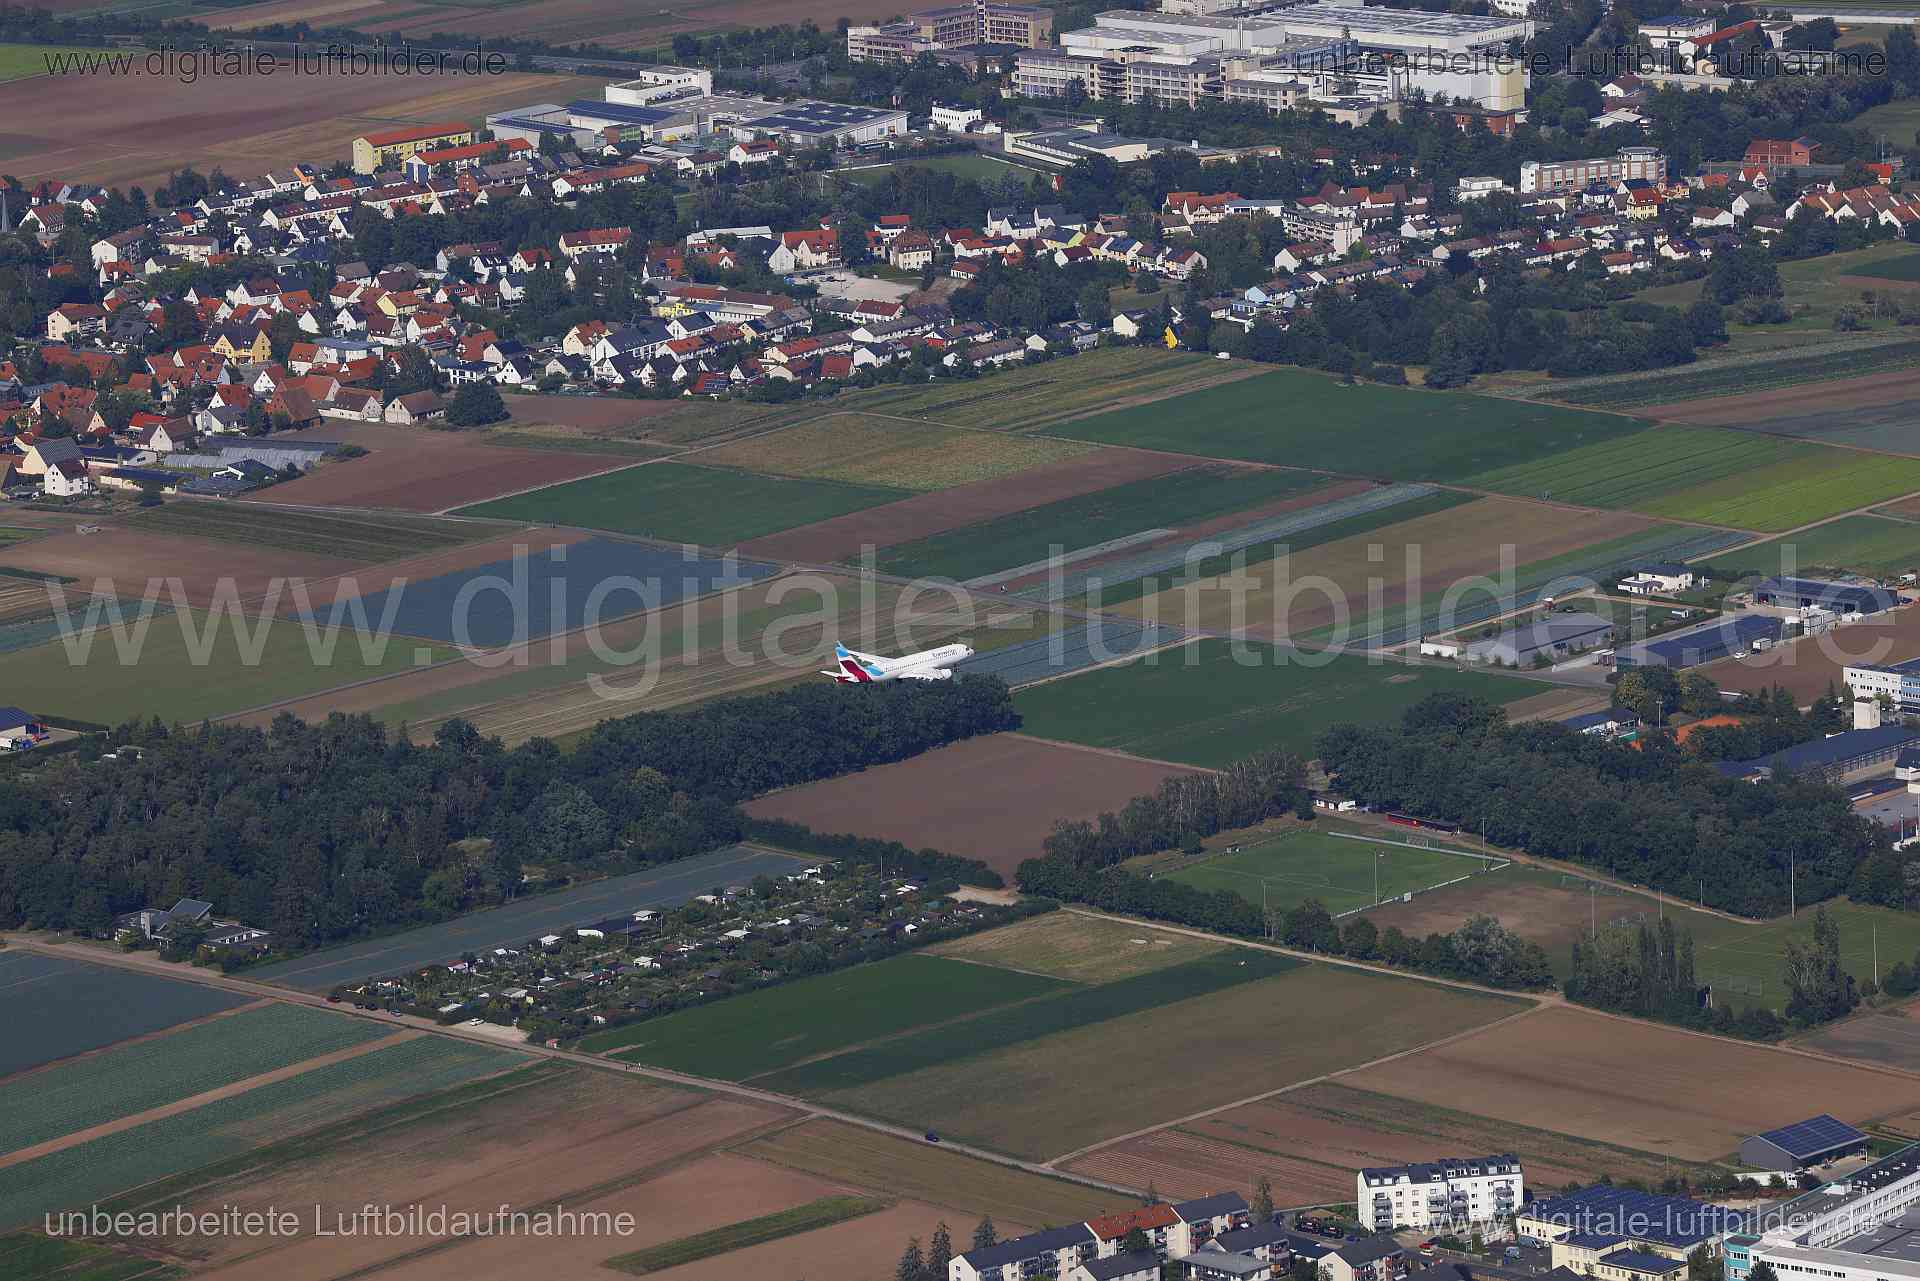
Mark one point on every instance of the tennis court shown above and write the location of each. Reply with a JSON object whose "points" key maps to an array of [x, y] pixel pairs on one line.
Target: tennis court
{"points": [[1345, 873]]}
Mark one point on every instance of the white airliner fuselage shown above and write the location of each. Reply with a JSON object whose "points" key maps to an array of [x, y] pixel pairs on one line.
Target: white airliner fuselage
{"points": [[866, 669]]}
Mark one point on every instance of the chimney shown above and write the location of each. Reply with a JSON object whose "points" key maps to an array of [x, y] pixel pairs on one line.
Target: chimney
{"points": [[1866, 713]]}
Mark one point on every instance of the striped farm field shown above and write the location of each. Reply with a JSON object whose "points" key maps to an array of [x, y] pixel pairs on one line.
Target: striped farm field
{"points": [[128, 1079], [89, 1172], [862, 449], [1712, 475]]}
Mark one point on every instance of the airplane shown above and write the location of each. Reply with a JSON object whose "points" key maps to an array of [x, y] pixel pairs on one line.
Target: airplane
{"points": [[928, 665]]}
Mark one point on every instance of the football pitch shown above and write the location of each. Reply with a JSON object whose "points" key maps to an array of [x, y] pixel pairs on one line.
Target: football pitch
{"points": [[1345, 873]]}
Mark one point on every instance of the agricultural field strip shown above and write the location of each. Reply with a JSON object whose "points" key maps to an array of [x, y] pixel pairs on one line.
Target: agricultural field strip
{"points": [[90, 1171], [1165, 559], [997, 1030], [123, 1081], [1737, 375], [755, 1033], [355, 536], [1120, 544], [74, 1005], [821, 1213], [1870, 543], [1631, 470]]}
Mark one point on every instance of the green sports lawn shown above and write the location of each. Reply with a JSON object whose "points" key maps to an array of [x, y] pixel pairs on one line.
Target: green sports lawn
{"points": [[1714, 475], [1876, 545], [1309, 420], [1725, 949], [188, 668], [1339, 872], [764, 1031], [679, 501], [1198, 706], [1158, 502]]}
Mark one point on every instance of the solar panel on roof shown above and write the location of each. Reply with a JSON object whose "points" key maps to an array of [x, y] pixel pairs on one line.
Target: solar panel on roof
{"points": [[1813, 1136]]}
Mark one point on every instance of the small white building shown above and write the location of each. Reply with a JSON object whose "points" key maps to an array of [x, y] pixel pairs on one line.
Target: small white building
{"points": [[956, 119]]}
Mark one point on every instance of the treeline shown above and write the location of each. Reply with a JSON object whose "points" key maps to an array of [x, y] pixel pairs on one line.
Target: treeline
{"points": [[1657, 817], [1184, 810], [1648, 971], [322, 832], [890, 856]]}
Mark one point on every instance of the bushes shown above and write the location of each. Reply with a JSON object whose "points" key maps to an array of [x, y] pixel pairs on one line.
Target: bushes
{"points": [[930, 864]]}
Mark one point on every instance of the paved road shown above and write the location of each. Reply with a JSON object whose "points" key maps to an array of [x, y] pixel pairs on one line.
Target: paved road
{"points": [[515, 923], [147, 962]]}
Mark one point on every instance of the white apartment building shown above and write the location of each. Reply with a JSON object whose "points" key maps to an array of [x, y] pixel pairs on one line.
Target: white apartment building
{"points": [[1450, 1192]]}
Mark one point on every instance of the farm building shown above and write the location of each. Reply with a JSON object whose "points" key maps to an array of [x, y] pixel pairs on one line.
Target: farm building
{"points": [[1814, 593], [1736, 634], [1550, 639], [1814, 1141], [1834, 757], [1434, 1194], [1657, 576]]}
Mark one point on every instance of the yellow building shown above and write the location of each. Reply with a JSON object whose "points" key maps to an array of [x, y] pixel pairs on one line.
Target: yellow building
{"points": [[376, 151]]}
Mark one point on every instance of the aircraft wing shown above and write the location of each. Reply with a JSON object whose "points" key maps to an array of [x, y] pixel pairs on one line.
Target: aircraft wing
{"points": [[925, 674]]}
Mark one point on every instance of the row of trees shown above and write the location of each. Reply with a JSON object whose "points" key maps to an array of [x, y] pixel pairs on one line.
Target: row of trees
{"points": [[321, 832], [1185, 809]]}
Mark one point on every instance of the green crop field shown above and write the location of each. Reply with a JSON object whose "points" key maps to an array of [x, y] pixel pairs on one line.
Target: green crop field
{"points": [[1159, 502], [133, 1078], [679, 501], [189, 667], [363, 538], [1875, 545], [1905, 267], [91, 1171], [30, 1256], [1344, 874], [1039, 397], [759, 1032], [23, 61], [1000, 1029], [1308, 420], [1727, 378], [821, 1213], [1714, 475], [1213, 710]]}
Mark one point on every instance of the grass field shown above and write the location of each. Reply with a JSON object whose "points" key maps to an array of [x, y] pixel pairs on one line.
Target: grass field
{"points": [[1292, 867], [864, 450], [365, 538], [1905, 268], [849, 1154], [1040, 397], [1206, 1050], [1159, 502], [191, 666], [29, 1256], [22, 61], [822, 1213], [93, 1170], [1867, 544], [1788, 368], [1081, 949], [764, 1031], [1213, 710], [1754, 956], [965, 164], [130, 1079], [1814, 289], [1306, 420], [709, 505]]}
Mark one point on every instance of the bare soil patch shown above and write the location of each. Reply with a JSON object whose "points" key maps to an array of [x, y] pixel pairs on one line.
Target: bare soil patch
{"points": [[842, 537], [424, 471], [1556, 704], [1749, 408], [1890, 1037], [1806, 668], [1650, 1088], [132, 559], [993, 798], [123, 130]]}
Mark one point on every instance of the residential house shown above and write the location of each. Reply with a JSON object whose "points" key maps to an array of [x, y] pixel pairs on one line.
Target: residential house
{"points": [[415, 407]]}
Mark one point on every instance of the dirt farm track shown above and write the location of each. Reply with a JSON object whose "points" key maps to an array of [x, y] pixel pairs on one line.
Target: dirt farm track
{"points": [[127, 130]]}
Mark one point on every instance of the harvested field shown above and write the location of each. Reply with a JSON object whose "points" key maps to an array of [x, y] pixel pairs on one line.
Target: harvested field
{"points": [[1080, 949], [881, 1162], [1805, 668], [1423, 557], [865, 449], [936, 799], [133, 129], [74, 1007], [1181, 1058], [413, 470], [1310, 1141], [1890, 1037], [862, 1247], [744, 1234], [131, 562], [1651, 1088], [361, 538], [842, 538], [1555, 705], [641, 28]]}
